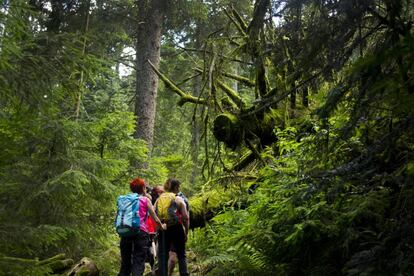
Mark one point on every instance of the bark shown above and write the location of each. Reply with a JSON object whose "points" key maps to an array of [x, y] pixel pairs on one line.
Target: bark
{"points": [[196, 122], [195, 131], [80, 92], [305, 97], [148, 40], [255, 47]]}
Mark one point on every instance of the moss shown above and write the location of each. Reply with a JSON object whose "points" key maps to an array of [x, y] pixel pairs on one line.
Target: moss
{"points": [[227, 129]]}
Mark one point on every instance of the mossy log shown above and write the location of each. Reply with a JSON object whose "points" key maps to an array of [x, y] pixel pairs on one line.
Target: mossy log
{"points": [[232, 130], [226, 128], [246, 160], [206, 205], [200, 220]]}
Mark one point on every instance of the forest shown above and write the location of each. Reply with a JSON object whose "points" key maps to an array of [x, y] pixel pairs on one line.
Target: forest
{"points": [[290, 124]]}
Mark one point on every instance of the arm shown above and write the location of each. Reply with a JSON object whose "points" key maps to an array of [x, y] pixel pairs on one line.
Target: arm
{"points": [[183, 210], [154, 215]]}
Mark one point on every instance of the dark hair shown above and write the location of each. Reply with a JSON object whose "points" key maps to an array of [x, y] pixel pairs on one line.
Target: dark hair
{"points": [[155, 193], [167, 184], [173, 184]]}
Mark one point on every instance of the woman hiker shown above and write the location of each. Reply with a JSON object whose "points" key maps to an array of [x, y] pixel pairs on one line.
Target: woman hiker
{"points": [[134, 247]]}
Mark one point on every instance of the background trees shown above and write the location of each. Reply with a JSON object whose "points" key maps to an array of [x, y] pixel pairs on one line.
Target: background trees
{"points": [[289, 122], [66, 133]]}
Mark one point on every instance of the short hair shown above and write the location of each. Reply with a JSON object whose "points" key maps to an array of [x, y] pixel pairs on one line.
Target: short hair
{"points": [[156, 192], [137, 185], [167, 185], [174, 183]]}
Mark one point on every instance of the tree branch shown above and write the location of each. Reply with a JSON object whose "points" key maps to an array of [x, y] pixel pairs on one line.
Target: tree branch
{"points": [[243, 80], [185, 97]]}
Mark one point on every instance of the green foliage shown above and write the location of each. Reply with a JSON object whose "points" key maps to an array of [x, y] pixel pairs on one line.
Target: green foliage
{"points": [[333, 194], [61, 167], [331, 191], [87, 163]]}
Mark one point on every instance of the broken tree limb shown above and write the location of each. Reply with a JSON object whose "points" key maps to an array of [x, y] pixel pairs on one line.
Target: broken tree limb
{"points": [[185, 97], [234, 96], [267, 102], [34, 261], [52, 259], [246, 81], [220, 55], [56, 264], [241, 79]]}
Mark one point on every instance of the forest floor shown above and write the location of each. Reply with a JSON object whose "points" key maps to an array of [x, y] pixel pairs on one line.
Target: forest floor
{"points": [[194, 268]]}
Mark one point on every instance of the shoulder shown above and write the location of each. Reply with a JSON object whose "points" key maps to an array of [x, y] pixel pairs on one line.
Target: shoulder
{"points": [[184, 198], [179, 200], [145, 199]]}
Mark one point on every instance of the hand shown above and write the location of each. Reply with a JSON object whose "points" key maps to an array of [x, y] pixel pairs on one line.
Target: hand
{"points": [[164, 226]]}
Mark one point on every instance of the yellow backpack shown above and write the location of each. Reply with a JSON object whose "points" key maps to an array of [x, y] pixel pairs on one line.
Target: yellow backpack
{"points": [[166, 208]]}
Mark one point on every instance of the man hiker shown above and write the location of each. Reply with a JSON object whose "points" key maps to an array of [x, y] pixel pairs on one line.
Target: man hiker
{"points": [[172, 210], [172, 259]]}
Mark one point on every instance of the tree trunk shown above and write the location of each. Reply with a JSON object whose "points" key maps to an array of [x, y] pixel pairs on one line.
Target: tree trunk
{"points": [[148, 40], [196, 123], [195, 132]]}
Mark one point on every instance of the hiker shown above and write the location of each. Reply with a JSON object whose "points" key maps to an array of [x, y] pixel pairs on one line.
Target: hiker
{"points": [[156, 192], [172, 255], [153, 194], [172, 258], [172, 210], [131, 225]]}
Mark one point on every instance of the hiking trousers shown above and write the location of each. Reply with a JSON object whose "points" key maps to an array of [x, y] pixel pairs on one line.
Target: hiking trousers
{"points": [[133, 253], [173, 236]]}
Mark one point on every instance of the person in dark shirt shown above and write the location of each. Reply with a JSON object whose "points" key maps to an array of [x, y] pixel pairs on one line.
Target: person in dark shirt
{"points": [[177, 222], [172, 258]]}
